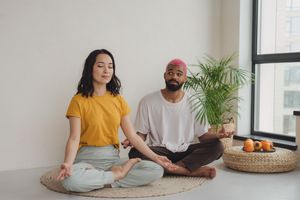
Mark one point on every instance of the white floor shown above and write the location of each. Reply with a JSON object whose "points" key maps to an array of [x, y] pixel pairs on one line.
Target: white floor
{"points": [[228, 184]]}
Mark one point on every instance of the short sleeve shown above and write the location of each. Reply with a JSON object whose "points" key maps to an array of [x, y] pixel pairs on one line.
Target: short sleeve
{"points": [[74, 108], [142, 120], [200, 129], [125, 109]]}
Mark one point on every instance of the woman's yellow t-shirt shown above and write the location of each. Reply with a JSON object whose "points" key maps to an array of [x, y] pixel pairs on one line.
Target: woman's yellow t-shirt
{"points": [[100, 118]]}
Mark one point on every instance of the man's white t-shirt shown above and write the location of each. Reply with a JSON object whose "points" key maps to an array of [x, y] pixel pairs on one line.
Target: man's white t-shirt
{"points": [[171, 125]]}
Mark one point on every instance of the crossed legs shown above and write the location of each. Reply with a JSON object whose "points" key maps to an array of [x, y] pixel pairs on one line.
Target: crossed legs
{"points": [[192, 162]]}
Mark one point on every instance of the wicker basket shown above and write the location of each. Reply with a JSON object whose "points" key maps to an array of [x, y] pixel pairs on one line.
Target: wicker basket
{"points": [[281, 160]]}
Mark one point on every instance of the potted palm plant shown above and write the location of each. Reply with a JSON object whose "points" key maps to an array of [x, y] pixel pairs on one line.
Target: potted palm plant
{"points": [[214, 85]]}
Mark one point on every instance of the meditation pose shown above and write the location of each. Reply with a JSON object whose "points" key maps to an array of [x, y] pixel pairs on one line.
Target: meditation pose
{"points": [[95, 114], [166, 118]]}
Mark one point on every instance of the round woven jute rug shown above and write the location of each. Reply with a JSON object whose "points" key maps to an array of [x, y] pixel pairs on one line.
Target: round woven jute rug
{"points": [[164, 186]]}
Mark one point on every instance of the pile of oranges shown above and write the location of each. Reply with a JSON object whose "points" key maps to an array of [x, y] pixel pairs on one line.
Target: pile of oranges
{"points": [[264, 145]]}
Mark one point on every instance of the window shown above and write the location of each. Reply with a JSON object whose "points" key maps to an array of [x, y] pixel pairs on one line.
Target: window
{"points": [[293, 4], [294, 47], [295, 25], [292, 76], [292, 26], [292, 99], [276, 64], [289, 122]]}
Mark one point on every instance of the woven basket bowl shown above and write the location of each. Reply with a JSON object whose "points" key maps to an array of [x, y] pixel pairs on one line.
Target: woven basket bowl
{"points": [[282, 160]]}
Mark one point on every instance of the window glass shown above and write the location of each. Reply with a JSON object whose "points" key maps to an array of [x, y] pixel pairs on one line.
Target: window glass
{"points": [[278, 26], [277, 95]]}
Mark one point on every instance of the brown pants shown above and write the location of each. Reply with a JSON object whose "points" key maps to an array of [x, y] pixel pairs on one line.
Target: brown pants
{"points": [[195, 156]]}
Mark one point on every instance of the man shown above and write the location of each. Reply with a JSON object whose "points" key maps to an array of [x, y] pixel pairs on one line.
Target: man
{"points": [[166, 118]]}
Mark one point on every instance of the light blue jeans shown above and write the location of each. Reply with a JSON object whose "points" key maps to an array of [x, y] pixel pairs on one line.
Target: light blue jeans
{"points": [[90, 170]]}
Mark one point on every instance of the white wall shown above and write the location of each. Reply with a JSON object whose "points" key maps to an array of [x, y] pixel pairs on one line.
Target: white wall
{"points": [[43, 45], [230, 27], [245, 53], [236, 36]]}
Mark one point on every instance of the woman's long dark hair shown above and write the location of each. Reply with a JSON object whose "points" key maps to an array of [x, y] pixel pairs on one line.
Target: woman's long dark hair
{"points": [[85, 85]]}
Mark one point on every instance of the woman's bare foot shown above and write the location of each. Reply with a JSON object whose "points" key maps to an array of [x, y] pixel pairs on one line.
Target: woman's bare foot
{"points": [[205, 171], [121, 171]]}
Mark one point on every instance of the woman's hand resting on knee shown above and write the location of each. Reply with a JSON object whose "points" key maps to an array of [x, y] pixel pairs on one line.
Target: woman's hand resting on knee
{"points": [[65, 171], [165, 163]]}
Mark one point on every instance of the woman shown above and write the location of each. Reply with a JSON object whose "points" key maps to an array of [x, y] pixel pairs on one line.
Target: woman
{"points": [[95, 113]]}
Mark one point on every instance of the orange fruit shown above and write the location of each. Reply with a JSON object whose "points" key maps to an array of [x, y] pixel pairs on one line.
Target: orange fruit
{"points": [[267, 145], [248, 145]]}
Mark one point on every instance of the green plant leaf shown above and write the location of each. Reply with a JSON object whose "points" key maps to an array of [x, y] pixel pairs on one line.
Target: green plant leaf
{"points": [[214, 88]]}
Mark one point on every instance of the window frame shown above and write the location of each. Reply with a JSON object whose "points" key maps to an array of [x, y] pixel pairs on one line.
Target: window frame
{"points": [[262, 59]]}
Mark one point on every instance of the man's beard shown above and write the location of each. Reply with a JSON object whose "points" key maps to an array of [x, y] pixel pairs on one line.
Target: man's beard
{"points": [[173, 87]]}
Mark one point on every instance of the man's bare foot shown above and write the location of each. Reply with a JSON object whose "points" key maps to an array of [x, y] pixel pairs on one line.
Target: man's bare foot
{"points": [[121, 171], [205, 171]]}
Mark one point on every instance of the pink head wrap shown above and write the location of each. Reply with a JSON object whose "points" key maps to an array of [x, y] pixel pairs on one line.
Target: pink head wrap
{"points": [[178, 62]]}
